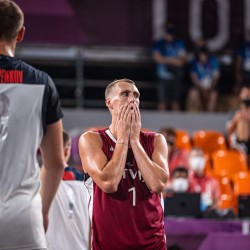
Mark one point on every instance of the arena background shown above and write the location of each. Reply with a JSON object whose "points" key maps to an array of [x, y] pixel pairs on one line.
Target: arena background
{"points": [[85, 44]]}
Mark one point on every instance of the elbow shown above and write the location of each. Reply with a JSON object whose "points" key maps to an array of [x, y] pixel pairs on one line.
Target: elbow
{"points": [[161, 185], [158, 188], [55, 166], [60, 166], [60, 163], [109, 187]]}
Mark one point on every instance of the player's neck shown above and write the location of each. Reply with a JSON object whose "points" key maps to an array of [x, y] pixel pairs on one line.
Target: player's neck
{"points": [[7, 49], [113, 130]]}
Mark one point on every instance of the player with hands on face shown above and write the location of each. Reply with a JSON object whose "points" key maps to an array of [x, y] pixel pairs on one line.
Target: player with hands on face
{"points": [[126, 170]]}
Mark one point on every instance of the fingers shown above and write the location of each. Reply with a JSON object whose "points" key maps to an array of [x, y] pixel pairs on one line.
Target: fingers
{"points": [[124, 116], [123, 112], [127, 114], [135, 122], [136, 116]]}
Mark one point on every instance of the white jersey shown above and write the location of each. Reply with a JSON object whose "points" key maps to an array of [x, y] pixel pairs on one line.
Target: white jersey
{"points": [[26, 96], [89, 186], [69, 223]]}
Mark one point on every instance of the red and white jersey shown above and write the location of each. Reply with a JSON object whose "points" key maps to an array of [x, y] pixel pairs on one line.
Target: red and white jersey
{"points": [[132, 217]]}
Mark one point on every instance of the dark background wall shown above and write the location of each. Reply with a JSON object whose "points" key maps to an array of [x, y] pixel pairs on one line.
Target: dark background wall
{"points": [[128, 23]]}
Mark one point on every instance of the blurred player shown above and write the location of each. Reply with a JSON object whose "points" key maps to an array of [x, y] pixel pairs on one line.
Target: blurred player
{"points": [[70, 173]]}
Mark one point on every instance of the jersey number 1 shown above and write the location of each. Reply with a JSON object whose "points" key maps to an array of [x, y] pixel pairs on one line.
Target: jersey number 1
{"points": [[134, 195]]}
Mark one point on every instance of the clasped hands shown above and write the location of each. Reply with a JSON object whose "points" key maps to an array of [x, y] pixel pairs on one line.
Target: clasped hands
{"points": [[128, 125]]}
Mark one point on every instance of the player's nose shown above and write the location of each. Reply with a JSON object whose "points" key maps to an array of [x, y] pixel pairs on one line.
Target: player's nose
{"points": [[131, 98]]}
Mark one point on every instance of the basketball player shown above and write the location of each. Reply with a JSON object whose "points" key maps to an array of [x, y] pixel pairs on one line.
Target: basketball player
{"points": [[129, 170], [70, 173], [30, 116]]}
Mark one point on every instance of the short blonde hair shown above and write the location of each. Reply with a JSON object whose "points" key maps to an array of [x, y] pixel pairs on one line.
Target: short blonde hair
{"points": [[114, 83]]}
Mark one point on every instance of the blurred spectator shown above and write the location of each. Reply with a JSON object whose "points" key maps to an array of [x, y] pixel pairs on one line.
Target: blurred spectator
{"points": [[242, 65], [198, 43], [238, 126], [204, 73], [176, 156], [70, 173], [179, 182], [200, 183], [170, 57]]}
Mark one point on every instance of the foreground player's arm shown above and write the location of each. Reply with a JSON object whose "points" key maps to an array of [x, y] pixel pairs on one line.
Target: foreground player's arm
{"points": [[53, 166], [154, 171], [106, 174]]}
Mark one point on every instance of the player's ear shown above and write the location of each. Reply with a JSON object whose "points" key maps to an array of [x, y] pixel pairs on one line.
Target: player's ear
{"points": [[20, 35], [108, 103]]}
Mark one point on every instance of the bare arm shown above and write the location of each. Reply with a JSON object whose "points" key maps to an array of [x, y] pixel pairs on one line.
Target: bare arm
{"points": [[154, 171], [53, 166], [240, 124], [232, 124], [106, 174]]}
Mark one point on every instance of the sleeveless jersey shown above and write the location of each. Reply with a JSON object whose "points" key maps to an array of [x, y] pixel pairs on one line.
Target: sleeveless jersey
{"points": [[132, 217], [28, 103]]}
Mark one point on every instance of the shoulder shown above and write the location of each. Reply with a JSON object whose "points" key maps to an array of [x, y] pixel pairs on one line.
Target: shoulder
{"points": [[90, 139], [159, 136], [90, 135], [34, 75], [159, 139]]}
